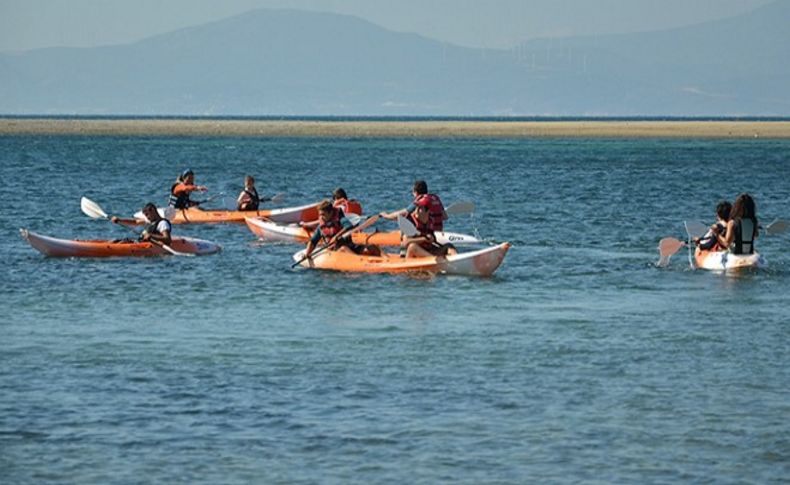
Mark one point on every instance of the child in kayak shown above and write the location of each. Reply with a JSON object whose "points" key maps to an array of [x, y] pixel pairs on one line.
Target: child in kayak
{"points": [[436, 212], [741, 228], [248, 199], [180, 190], [709, 242], [332, 224], [158, 228]]}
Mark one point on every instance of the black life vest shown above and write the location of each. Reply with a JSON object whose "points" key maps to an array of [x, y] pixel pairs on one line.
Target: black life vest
{"points": [[152, 227], [255, 199], [180, 201], [743, 242]]}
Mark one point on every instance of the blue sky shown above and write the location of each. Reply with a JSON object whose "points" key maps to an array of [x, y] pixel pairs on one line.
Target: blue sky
{"points": [[29, 24]]}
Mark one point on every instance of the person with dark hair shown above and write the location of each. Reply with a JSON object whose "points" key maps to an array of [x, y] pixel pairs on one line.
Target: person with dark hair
{"points": [[742, 227], [158, 228], [180, 190], [339, 201], [436, 212], [248, 199], [332, 223], [709, 242]]}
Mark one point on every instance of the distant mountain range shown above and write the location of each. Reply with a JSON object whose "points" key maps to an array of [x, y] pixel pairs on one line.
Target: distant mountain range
{"points": [[287, 62]]}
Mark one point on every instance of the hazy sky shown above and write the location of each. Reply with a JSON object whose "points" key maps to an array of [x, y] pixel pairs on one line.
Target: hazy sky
{"points": [[29, 24]]}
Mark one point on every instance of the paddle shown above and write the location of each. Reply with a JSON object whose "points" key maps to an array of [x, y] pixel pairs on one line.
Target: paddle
{"points": [[406, 227], [208, 199], [777, 227], [94, 211], [359, 227], [464, 207], [667, 247]]}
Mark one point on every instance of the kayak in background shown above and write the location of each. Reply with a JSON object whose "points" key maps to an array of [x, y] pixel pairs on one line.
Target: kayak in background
{"points": [[195, 215], [274, 232], [66, 248], [482, 262]]}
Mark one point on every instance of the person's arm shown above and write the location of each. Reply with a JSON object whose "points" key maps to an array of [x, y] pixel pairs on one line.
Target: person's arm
{"points": [[394, 215], [178, 189], [126, 222], [309, 224], [726, 239], [312, 243]]}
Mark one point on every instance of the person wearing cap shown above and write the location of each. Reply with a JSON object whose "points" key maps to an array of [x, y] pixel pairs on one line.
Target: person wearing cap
{"points": [[180, 190]]}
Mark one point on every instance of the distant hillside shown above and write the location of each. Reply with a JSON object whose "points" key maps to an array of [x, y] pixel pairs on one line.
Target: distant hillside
{"points": [[285, 62]]}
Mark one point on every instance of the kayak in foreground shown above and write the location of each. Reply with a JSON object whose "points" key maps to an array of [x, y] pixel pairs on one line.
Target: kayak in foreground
{"points": [[274, 232], [68, 248], [724, 260], [196, 215], [482, 262]]}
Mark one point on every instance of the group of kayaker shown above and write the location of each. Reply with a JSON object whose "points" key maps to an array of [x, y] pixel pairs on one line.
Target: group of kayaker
{"points": [[426, 213], [735, 229]]}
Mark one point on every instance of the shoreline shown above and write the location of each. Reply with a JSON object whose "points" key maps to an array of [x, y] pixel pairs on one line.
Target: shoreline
{"points": [[395, 129]]}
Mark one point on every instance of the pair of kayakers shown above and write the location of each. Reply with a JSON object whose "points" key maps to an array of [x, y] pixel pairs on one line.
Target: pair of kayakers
{"points": [[248, 199], [426, 213], [736, 227]]}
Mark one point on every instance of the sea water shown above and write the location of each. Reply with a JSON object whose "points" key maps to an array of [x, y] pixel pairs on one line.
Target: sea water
{"points": [[579, 361]]}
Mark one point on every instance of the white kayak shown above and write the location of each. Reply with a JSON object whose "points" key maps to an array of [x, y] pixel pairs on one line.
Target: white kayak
{"points": [[724, 260], [274, 232]]}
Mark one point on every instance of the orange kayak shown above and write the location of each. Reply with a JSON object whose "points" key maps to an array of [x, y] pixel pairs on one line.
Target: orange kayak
{"points": [[67, 248], [482, 262], [196, 215], [274, 232]]}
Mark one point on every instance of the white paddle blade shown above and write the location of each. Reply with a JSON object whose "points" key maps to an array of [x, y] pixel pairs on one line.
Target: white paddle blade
{"points": [[276, 199], [460, 208], [778, 226], [666, 248], [406, 227], [168, 213], [354, 218], [92, 209], [695, 229]]}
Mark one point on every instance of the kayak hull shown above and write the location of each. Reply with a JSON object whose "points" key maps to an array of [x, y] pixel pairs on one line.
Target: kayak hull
{"points": [[274, 232], [68, 248], [196, 215], [483, 262], [725, 261]]}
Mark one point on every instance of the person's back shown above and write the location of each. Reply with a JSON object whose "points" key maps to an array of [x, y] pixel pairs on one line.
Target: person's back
{"points": [[742, 227]]}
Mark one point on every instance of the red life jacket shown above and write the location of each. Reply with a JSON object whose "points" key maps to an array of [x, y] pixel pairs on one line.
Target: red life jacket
{"points": [[330, 228], [348, 206], [435, 211]]}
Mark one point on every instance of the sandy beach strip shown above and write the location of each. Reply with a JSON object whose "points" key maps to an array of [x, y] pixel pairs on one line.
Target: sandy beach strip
{"points": [[396, 129]]}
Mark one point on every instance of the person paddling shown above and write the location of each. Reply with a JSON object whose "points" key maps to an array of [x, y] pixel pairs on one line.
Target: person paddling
{"points": [[158, 228], [741, 228], [424, 244], [248, 199], [436, 213], [180, 190], [709, 242], [332, 223]]}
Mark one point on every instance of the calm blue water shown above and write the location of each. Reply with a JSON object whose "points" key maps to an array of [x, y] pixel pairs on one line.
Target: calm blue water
{"points": [[578, 362]]}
